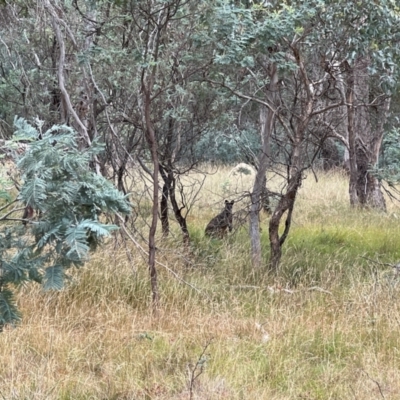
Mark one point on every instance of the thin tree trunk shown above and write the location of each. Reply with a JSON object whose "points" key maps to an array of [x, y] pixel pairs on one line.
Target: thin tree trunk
{"points": [[351, 139], [169, 189], [166, 159], [295, 172], [123, 162], [267, 119], [178, 210], [60, 74], [375, 196], [148, 75], [164, 203], [286, 203], [164, 211], [152, 142]]}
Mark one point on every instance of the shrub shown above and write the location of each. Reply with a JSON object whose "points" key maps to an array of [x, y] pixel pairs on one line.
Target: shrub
{"points": [[67, 198]]}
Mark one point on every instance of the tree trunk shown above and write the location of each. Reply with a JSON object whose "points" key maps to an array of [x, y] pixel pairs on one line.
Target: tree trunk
{"points": [[295, 170], [164, 211], [178, 210], [286, 203], [148, 74], [352, 139], [169, 189], [267, 119], [164, 203], [365, 138], [152, 142]]}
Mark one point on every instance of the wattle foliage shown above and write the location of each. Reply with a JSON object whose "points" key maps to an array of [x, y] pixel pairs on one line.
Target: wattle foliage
{"points": [[68, 199]]}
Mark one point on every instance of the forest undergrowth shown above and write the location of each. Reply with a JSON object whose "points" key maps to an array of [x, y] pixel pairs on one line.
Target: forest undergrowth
{"points": [[325, 327]]}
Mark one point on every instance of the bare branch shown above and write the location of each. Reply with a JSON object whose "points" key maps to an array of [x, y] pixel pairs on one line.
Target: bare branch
{"points": [[244, 96], [335, 134], [61, 63]]}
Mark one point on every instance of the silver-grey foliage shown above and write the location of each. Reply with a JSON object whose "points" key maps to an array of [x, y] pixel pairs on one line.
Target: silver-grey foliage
{"points": [[67, 198]]}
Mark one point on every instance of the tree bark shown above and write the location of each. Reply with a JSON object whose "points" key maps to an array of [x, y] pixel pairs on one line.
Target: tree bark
{"points": [[153, 145], [267, 120], [286, 203], [351, 138], [178, 210], [164, 203], [60, 74], [154, 26], [164, 211], [364, 139], [169, 190], [295, 169]]}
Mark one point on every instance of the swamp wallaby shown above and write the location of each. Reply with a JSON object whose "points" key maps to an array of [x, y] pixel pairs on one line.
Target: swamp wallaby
{"points": [[218, 225]]}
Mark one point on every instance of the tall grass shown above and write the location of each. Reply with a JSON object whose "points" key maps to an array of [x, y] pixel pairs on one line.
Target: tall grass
{"points": [[325, 327]]}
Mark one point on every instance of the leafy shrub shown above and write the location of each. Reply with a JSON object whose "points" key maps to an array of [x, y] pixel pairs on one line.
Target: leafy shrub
{"points": [[67, 198]]}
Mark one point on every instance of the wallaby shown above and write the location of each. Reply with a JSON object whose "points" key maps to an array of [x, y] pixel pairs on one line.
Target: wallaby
{"points": [[218, 225]]}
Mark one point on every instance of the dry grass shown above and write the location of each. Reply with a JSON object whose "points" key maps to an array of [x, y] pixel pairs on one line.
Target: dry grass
{"points": [[326, 327]]}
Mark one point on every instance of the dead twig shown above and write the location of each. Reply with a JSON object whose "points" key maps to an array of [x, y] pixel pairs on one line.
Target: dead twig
{"points": [[376, 382], [198, 368]]}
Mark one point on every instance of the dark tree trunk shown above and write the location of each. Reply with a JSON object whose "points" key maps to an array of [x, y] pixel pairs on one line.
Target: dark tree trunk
{"points": [[57, 107], [364, 139], [164, 211], [178, 210], [352, 139], [169, 190], [122, 167], [164, 203], [295, 169], [286, 203]]}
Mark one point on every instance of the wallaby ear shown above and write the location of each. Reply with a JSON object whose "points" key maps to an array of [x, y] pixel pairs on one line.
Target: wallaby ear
{"points": [[226, 202], [233, 202]]}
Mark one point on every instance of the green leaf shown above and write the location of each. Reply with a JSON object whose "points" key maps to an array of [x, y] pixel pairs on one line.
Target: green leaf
{"points": [[96, 227], [9, 313], [76, 240], [53, 278]]}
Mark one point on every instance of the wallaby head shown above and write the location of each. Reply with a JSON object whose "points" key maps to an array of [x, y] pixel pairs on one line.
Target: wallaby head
{"points": [[218, 225], [229, 206]]}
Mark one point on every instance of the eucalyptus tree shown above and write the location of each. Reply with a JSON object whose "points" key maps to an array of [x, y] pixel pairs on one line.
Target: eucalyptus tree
{"points": [[128, 72], [168, 104], [133, 73], [365, 50], [272, 47]]}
